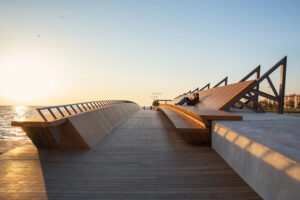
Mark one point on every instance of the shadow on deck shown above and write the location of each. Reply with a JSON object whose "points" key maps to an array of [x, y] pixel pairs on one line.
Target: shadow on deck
{"points": [[143, 158]]}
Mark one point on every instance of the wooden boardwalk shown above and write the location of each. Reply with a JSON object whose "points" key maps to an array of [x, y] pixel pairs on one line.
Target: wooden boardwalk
{"points": [[144, 158]]}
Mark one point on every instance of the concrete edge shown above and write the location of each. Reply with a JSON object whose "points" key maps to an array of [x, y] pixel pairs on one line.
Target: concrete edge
{"points": [[271, 174]]}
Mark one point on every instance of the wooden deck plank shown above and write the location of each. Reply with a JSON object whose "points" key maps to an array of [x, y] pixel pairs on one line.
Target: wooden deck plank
{"points": [[144, 158]]}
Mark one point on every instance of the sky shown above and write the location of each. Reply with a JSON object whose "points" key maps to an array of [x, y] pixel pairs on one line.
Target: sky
{"points": [[62, 51]]}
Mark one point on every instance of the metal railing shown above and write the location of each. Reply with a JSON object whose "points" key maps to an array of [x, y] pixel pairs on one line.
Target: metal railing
{"points": [[254, 92], [206, 86], [195, 90], [61, 111], [224, 80]]}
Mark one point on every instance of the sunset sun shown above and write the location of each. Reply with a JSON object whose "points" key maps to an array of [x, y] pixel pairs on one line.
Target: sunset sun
{"points": [[27, 77]]}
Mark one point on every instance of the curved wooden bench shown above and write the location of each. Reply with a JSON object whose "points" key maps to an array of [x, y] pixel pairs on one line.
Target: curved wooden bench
{"points": [[213, 105], [191, 129]]}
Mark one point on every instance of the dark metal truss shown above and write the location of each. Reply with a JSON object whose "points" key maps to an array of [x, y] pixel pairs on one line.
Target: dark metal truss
{"points": [[253, 93], [195, 90], [224, 80]]}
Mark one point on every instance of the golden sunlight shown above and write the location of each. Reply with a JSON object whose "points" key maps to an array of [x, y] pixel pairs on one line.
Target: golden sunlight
{"points": [[20, 112], [20, 109], [27, 77]]}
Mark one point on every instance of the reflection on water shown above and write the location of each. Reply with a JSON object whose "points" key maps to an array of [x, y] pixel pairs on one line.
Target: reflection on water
{"points": [[20, 111], [10, 113]]}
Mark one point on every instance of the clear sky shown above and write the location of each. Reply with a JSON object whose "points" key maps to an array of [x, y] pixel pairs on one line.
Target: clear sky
{"points": [[63, 51]]}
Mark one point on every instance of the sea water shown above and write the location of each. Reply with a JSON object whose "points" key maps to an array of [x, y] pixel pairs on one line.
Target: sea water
{"points": [[11, 113]]}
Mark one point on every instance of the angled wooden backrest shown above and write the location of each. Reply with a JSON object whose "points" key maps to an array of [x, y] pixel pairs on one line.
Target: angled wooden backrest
{"points": [[221, 97], [80, 131]]}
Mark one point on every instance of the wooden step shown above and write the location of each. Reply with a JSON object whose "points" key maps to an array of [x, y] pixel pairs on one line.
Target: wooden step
{"points": [[192, 131]]}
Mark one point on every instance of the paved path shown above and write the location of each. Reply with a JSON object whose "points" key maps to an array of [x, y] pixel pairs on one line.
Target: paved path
{"points": [[144, 158]]}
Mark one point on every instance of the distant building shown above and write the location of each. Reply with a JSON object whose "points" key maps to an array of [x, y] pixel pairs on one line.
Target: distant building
{"points": [[292, 97]]}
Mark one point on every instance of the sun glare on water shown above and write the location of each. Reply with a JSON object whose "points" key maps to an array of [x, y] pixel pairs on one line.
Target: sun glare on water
{"points": [[20, 111]]}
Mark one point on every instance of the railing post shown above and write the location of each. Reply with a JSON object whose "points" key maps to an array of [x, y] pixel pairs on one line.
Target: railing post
{"points": [[91, 105], [83, 106], [88, 106], [282, 86], [78, 107], [206, 86], [42, 115], [222, 81], [73, 109], [96, 106], [62, 114], [67, 110], [257, 75], [49, 109]]}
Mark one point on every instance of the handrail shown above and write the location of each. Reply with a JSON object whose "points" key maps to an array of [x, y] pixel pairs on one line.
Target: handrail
{"points": [[206, 86], [77, 107], [195, 90], [224, 80], [255, 71]]}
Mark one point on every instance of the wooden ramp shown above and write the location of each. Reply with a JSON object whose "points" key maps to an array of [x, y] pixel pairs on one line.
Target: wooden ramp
{"points": [[143, 158], [221, 98]]}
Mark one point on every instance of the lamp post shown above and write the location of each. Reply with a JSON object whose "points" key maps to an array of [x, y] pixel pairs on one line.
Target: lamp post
{"points": [[156, 94]]}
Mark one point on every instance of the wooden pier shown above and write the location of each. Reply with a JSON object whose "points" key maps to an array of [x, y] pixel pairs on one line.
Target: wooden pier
{"points": [[143, 158]]}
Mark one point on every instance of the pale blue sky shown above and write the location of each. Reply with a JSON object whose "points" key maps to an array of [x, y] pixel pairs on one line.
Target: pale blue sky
{"points": [[87, 50]]}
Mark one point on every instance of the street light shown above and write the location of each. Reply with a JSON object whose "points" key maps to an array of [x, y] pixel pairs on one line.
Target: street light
{"points": [[156, 94]]}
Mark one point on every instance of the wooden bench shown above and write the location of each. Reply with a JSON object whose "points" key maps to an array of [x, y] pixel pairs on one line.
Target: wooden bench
{"points": [[214, 105], [191, 129]]}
